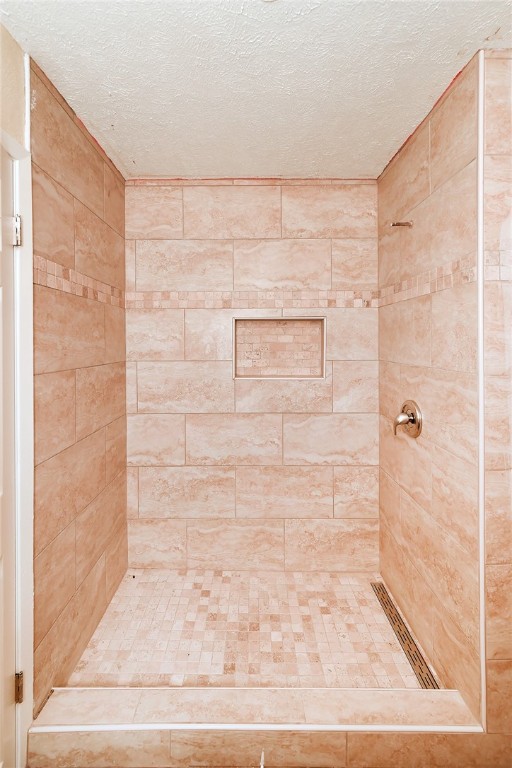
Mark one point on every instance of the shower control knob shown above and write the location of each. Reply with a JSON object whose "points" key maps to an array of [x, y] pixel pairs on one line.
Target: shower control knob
{"points": [[409, 418]]}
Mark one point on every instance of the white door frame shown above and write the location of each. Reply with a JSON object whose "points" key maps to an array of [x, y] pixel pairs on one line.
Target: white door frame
{"points": [[24, 428]]}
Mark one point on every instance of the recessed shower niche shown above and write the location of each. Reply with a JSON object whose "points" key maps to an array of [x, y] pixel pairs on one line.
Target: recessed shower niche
{"points": [[275, 348]]}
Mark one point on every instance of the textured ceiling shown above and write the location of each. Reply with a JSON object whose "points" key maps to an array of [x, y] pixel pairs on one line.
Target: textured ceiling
{"points": [[244, 88]]}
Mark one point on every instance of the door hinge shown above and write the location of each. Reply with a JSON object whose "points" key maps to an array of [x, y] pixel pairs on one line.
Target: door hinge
{"points": [[17, 230], [18, 687]]}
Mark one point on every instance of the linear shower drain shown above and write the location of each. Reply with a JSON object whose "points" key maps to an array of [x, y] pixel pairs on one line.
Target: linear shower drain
{"points": [[419, 666]]}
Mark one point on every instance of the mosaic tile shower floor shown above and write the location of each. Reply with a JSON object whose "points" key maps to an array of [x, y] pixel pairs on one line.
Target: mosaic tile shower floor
{"points": [[244, 629]]}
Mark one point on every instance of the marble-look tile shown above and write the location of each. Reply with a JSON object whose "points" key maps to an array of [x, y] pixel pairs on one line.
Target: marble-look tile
{"points": [[131, 387], [498, 414], [53, 233], [455, 498], [184, 265], [156, 439], [61, 150], [115, 436], [235, 544], [185, 387], [116, 557], [408, 462], [69, 331], [498, 516], [99, 249], [234, 439], [498, 595], [157, 544], [389, 504], [231, 212], [209, 332], [354, 264], [65, 484], [497, 324], [499, 692], [154, 334], [497, 203], [405, 331], [115, 334], [453, 127], [57, 654], [356, 491], [428, 750], [54, 581], [284, 492], [89, 706], [96, 525], [390, 263], [390, 394], [186, 492], [498, 107], [285, 396], [355, 386], [132, 493], [233, 748], [332, 545], [54, 409], [129, 264], [454, 328], [406, 180], [114, 199], [100, 397], [99, 749], [267, 265], [153, 212], [330, 439], [351, 334], [348, 210]]}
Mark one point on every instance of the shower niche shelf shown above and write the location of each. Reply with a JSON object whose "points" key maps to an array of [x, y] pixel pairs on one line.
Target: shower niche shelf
{"points": [[279, 348]]}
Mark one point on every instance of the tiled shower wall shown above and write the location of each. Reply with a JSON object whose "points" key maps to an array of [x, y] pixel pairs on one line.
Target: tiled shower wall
{"points": [[250, 474], [79, 361], [428, 353]]}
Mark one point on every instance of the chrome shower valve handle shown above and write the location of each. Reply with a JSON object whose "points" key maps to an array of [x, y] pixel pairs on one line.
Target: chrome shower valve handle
{"points": [[409, 418]]}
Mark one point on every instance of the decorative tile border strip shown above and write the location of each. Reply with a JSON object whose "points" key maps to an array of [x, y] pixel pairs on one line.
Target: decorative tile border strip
{"points": [[52, 275], [435, 280], [250, 299]]}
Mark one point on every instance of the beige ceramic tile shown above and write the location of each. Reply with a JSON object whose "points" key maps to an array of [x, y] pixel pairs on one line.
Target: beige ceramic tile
{"points": [[284, 492], [154, 334], [114, 200], [356, 492], [498, 413], [497, 324], [497, 203], [454, 328], [330, 439], [52, 211], [354, 264], [287, 396], [57, 654], [185, 387], [153, 212], [88, 706], [99, 249], [116, 558], [297, 748], [235, 544], [65, 484], [351, 334], [266, 265], [405, 331], [498, 107], [115, 447], [131, 387], [69, 331], [232, 212], [54, 406], [455, 498], [498, 586], [209, 332], [499, 691], [330, 211], [332, 545], [186, 492], [95, 526], [389, 504], [100, 396], [129, 264], [234, 439], [54, 581], [390, 263], [61, 150], [132, 493], [498, 516], [427, 750], [453, 127], [390, 395], [115, 334], [356, 387], [157, 543], [156, 439], [408, 462], [406, 181], [184, 265], [99, 749]]}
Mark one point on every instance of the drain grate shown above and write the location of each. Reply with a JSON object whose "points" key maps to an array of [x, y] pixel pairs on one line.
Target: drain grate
{"points": [[419, 666]]}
